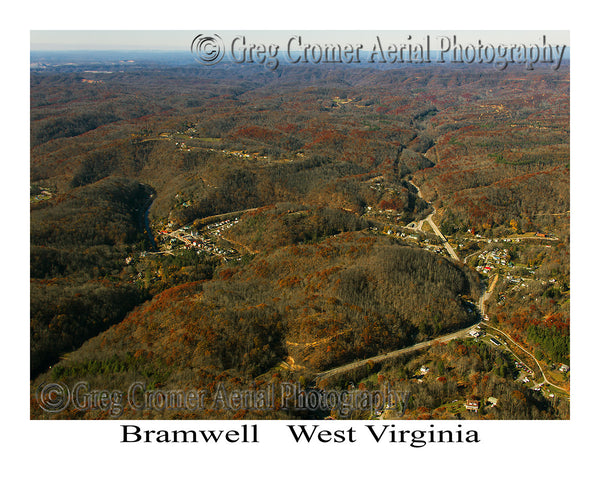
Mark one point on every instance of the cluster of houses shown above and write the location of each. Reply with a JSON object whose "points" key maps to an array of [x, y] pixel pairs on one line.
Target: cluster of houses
{"points": [[476, 333], [237, 154], [472, 404], [523, 367], [223, 225], [563, 368], [196, 240], [516, 280], [426, 242], [183, 146], [492, 259], [43, 195]]}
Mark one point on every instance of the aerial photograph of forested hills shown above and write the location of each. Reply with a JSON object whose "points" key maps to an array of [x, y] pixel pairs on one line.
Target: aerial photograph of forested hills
{"points": [[339, 228]]}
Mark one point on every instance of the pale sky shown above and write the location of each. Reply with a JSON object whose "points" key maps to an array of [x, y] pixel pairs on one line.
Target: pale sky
{"points": [[181, 39]]}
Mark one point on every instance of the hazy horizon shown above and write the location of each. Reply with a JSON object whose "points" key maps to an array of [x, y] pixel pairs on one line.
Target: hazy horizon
{"points": [[163, 40]]}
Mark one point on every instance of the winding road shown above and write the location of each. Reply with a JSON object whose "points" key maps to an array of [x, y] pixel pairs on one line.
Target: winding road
{"points": [[546, 381], [436, 230], [394, 354], [413, 348]]}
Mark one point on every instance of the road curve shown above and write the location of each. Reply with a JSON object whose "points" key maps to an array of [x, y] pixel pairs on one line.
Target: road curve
{"points": [[396, 353], [436, 230], [443, 339], [528, 353]]}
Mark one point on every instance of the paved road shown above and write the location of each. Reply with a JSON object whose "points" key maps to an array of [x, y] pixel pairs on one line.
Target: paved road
{"points": [[531, 355], [439, 234], [436, 230], [223, 216], [445, 338], [485, 297], [396, 353]]}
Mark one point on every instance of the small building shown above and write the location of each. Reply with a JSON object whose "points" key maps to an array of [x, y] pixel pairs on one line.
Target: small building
{"points": [[472, 405], [493, 401], [563, 368]]}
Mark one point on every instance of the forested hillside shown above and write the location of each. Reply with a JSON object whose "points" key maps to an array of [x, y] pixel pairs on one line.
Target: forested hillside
{"points": [[194, 225]]}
